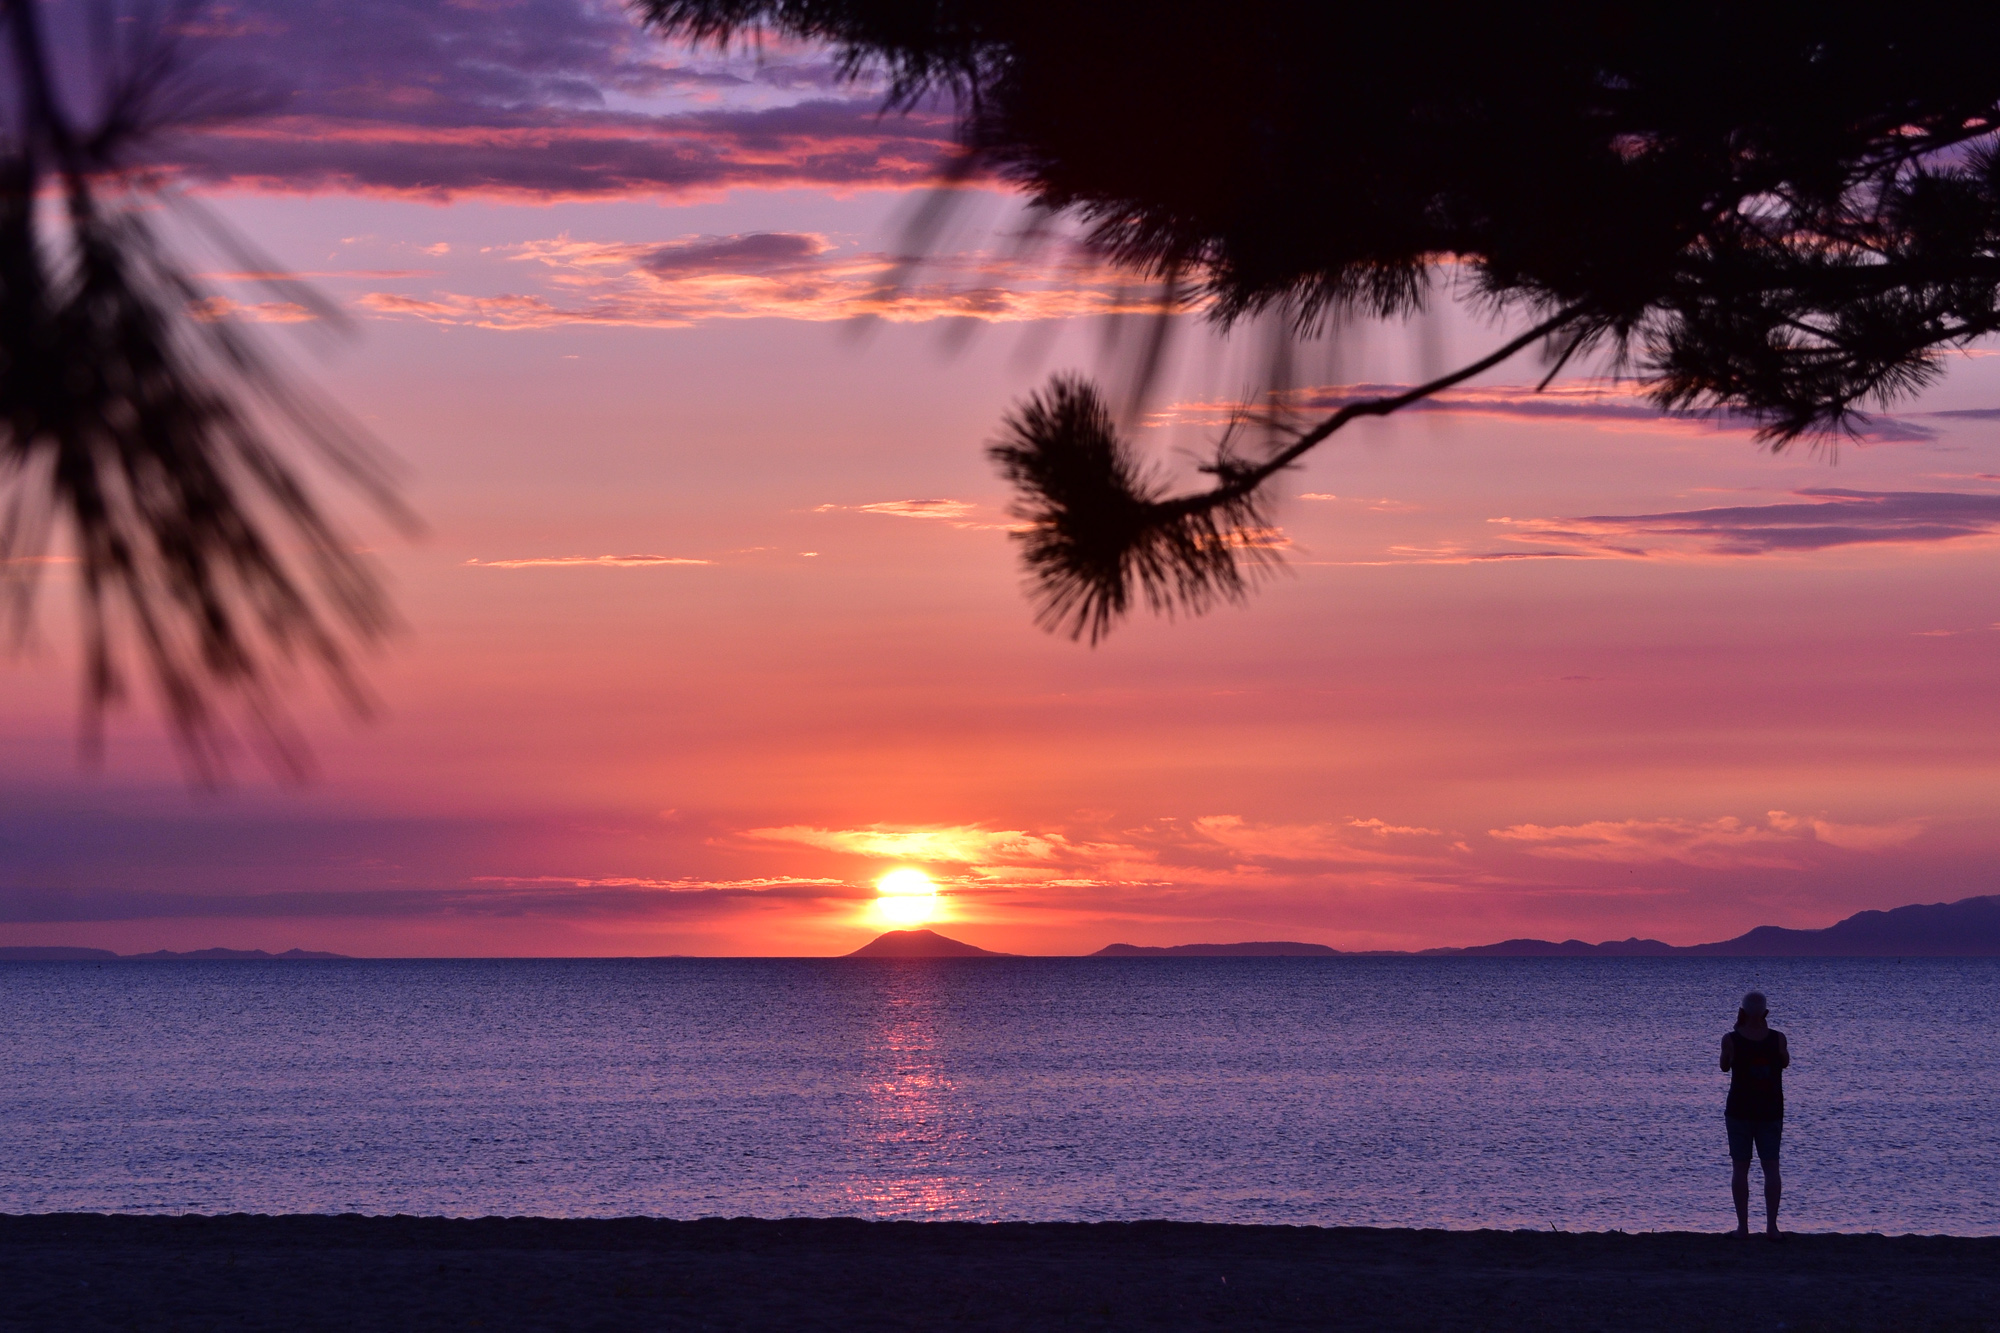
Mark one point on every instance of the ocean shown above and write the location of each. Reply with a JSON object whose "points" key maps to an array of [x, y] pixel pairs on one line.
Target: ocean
{"points": [[1579, 1094]]}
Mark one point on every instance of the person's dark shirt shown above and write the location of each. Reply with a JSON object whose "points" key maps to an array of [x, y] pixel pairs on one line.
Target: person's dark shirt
{"points": [[1756, 1076]]}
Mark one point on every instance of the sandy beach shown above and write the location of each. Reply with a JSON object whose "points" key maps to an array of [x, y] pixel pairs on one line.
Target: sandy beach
{"points": [[85, 1272]]}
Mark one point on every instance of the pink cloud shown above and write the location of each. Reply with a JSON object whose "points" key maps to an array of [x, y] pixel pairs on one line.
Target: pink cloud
{"points": [[571, 155], [761, 275], [1717, 844], [1851, 837], [1210, 851], [957, 844], [586, 561], [957, 513], [1607, 404], [1385, 830], [1357, 881], [1318, 843]]}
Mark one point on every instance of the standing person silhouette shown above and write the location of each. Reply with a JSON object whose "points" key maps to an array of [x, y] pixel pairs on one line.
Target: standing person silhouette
{"points": [[1755, 1056]]}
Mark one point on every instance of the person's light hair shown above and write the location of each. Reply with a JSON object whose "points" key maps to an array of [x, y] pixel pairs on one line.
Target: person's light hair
{"points": [[1753, 1003]]}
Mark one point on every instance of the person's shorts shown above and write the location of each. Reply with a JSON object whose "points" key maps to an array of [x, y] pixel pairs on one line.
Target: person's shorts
{"points": [[1764, 1133]]}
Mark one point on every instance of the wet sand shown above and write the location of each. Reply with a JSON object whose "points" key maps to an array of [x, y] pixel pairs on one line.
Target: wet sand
{"points": [[88, 1272]]}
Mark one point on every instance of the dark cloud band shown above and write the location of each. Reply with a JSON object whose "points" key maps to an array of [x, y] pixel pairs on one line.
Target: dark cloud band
{"points": [[540, 98], [1821, 519], [53, 906]]}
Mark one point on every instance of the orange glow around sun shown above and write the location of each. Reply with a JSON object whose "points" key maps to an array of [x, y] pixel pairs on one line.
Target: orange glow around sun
{"points": [[905, 897]]}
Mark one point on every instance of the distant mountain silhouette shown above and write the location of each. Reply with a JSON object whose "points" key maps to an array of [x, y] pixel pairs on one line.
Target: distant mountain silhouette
{"points": [[248, 955], [1632, 948], [52, 953], [1968, 928], [920, 944], [1258, 949], [65, 953]]}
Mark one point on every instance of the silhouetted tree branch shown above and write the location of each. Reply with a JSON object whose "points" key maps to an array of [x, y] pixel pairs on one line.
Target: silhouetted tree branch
{"points": [[1097, 527], [1785, 211], [143, 432]]}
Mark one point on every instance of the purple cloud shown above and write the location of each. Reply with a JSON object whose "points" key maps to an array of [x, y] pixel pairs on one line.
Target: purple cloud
{"points": [[1565, 402], [542, 98], [752, 253], [587, 900], [1827, 517]]}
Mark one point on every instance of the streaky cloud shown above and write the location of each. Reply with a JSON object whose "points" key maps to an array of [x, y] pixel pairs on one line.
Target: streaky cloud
{"points": [[540, 896], [1579, 401], [535, 100], [1717, 844], [841, 145], [758, 275], [588, 561], [1822, 518], [955, 513]]}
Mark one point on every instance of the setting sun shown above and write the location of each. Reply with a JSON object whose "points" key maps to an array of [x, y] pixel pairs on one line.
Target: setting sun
{"points": [[906, 897]]}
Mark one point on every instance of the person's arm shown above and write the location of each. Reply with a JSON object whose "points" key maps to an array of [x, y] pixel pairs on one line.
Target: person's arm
{"points": [[1784, 1052], [1728, 1051]]}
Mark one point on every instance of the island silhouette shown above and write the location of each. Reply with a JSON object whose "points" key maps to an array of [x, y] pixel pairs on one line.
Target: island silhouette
{"points": [[63, 953], [1968, 928], [920, 944], [1251, 949]]}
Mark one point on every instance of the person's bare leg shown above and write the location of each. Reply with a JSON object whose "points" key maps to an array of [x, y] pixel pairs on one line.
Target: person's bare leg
{"points": [[1739, 1186], [1774, 1188]]}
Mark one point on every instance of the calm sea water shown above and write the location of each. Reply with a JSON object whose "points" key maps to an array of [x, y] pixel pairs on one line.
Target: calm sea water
{"points": [[1581, 1094]]}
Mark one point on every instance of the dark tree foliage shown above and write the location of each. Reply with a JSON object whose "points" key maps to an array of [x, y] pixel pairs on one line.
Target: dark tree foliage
{"points": [[141, 430], [1781, 210]]}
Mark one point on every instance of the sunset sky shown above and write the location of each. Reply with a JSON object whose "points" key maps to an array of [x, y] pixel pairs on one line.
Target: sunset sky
{"points": [[716, 620]]}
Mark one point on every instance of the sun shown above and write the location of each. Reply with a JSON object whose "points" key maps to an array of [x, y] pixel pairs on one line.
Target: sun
{"points": [[905, 897]]}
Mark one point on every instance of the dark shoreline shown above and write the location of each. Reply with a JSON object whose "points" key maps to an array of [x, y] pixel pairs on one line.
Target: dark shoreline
{"points": [[95, 1271]]}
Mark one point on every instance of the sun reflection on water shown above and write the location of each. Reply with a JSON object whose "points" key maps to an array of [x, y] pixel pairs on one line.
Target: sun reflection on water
{"points": [[916, 1121]]}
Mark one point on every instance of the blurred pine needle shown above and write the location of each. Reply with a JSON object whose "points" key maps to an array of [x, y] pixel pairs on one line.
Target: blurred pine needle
{"points": [[144, 436]]}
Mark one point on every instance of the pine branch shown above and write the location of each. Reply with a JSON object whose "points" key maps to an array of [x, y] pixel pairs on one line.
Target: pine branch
{"points": [[155, 441], [1101, 534]]}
